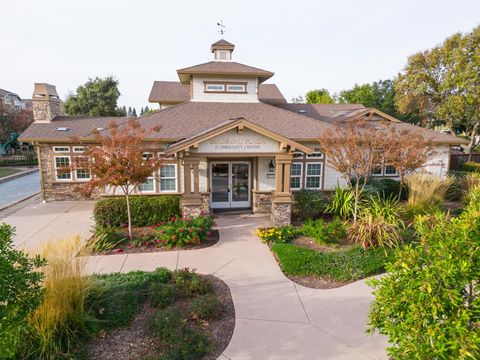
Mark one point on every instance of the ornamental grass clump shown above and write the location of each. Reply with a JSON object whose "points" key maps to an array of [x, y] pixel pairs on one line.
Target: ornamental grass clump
{"points": [[342, 203], [60, 321], [426, 192]]}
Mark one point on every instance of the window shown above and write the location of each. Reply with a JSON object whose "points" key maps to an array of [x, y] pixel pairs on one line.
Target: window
{"points": [[168, 178], [298, 155], [215, 87], [148, 185], [236, 88], [313, 175], [222, 55], [62, 163], [81, 174], [377, 171], [78, 149], [390, 170], [315, 155], [146, 155], [296, 176], [61, 149]]}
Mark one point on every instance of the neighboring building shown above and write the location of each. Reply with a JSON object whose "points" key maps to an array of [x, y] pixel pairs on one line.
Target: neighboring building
{"points": [[231, 140], [11, 101]]}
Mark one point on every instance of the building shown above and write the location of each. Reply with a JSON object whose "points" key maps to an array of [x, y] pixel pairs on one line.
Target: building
{"points": [[10, 101], [232, 141]]}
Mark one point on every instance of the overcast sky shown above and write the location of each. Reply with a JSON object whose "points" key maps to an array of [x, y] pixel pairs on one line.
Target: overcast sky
{"points": [[308, 44]]}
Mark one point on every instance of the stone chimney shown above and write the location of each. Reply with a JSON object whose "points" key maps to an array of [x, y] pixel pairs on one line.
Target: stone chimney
{"points": [[46, 103]]}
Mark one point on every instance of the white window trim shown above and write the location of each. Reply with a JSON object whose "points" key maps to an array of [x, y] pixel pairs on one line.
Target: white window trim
{"points": [[385, 171], [297, 176], [309, 156], [174, 178], [214, 90], [244, 88], [75, 149], [145, 155], [55, 168], [82, 179], [319, 175], [298, 155], [55, 149], [148, 191]]}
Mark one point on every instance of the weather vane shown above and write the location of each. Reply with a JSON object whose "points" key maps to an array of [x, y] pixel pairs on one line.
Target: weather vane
{"points": [[221, 27]]}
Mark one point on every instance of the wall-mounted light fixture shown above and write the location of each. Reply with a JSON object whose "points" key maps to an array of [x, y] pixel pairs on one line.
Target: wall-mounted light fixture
{"points": [[271, 167]]}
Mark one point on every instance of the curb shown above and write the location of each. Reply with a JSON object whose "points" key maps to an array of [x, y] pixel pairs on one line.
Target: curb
{"points": [[19, 201], [17, 175]]}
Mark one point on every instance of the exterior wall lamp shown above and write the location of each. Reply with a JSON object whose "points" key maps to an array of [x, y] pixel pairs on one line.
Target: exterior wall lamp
{"points": [[271, 166]]}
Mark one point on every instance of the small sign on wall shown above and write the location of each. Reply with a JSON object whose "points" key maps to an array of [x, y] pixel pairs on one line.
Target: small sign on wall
{"points": [[270, 176]]}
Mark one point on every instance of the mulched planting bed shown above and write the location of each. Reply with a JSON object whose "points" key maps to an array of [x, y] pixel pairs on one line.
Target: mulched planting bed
{"points": [[155, 247], [136, 341]]}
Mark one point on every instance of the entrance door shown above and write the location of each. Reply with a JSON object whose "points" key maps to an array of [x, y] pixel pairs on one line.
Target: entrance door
{"points": [[230, 184]]}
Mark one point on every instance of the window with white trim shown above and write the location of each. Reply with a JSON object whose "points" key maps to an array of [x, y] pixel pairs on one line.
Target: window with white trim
{"points": [[215, 87], [78, 149], [81, 174], [168, 178], [62, 163], [390, 170], [313, 176], [148, 186], [147, 155], [61, 149], [296, 176], [236, 88], [377, 171], [315, 155], [298, 155]]}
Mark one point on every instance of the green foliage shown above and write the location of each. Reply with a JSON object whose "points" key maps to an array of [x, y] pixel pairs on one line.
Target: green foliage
{"points": [[205, 307], [329, 233], [471, 167], [146, 210], [308, 204], [343, 265], [428, 303], [181, 232], [98, 97], [280, 234], [387, 187], [342, 203], [28, 162], [189, 284], [105, 239], [319, 96], [20, 290], [161, 294], [166, 323], [115, 298]]}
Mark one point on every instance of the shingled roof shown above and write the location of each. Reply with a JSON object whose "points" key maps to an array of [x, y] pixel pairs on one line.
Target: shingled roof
{"points": [[175, 92]]}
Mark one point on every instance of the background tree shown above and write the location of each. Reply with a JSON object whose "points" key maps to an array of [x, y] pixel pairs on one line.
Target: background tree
{"points": [[116, 160], [355, 149], [442, 85], [359, 94], [98, 97], [134, 112], [298, 99], [319, 96]]}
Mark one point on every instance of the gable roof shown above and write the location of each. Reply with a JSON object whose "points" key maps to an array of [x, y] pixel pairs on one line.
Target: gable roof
{"points": [[175, 92], [230, 68], [229, 125], [222, 44]]}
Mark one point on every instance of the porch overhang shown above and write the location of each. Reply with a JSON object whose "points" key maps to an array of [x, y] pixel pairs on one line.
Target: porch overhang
{"points": [[239, 124]]}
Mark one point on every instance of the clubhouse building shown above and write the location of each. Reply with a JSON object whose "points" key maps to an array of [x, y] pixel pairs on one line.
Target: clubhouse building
{"points": [[230, 140]]}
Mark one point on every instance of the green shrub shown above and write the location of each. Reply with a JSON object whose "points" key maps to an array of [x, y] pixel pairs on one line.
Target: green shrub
{"points": [[146, 210], [188, 283], [180, 232], [280, 234], [388, 187], [116, 298], [343, 265], [342, 203], [105, 239], [166, 324], [428, 304], [9, 162], [329, 233], [20, 291], [205, 307], [161, 295], [471, 167], [308, 204]]}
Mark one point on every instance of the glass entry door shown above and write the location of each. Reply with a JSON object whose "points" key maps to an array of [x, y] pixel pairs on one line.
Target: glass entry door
{"points": [[230, 184]]}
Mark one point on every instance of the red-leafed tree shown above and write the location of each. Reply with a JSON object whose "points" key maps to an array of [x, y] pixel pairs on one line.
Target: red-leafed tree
{"points": [[116, 160]]}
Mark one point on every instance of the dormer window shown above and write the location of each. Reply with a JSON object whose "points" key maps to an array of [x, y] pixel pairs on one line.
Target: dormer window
{"points": [[225, 87], [222, 55]]}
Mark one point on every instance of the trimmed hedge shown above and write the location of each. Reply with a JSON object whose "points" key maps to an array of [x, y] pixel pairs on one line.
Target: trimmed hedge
{"points": [[344, 265], [146, 210], [5, 162], [471, 167]]}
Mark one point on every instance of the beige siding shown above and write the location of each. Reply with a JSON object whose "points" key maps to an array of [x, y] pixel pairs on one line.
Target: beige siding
{"points": [[265, 183], [198, 93], [438, 164]]}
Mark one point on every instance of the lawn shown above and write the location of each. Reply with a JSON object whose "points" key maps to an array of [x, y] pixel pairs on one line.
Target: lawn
{"points": [[6, 171]]}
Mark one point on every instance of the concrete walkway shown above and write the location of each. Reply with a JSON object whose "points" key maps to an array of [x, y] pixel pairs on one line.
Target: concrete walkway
{"points": [[275, 318]]}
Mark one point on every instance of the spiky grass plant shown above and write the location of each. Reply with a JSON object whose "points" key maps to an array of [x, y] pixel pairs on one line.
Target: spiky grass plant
{"points": [[342, 203], [469, 184], [57, 325], [426, 192]]}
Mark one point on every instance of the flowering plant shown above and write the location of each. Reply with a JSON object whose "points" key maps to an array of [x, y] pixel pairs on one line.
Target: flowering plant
{"points": [[183, 231], [282, 234]]}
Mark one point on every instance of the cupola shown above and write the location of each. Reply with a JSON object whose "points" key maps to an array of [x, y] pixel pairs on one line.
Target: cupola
{"points": [[222, 50]]}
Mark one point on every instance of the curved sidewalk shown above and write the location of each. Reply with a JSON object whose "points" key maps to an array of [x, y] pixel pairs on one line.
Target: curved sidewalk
{"points": [[274, 318]]}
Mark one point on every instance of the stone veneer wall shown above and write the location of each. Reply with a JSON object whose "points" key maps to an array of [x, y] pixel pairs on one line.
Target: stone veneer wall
{"points": [[57, 190], [46, 110], [206, 202], [281, 214], [262, 201]]}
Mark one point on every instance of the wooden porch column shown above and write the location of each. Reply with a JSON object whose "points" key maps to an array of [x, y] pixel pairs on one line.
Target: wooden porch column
{"points": [[191, 200], [282, 174]]}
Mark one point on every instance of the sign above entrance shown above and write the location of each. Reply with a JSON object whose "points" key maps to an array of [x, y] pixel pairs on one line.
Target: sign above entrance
{"points": [[245, 141]]}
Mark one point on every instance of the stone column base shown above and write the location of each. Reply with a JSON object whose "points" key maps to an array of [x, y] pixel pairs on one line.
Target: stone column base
{"points": [[262, 201], [191, 206], [281, 209]]}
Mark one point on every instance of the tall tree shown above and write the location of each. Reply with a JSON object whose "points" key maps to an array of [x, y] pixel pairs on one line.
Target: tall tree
{"points": [[117, 160], [98, 97], [443, 84], [319, 96], [134, 112], [359, 94]]}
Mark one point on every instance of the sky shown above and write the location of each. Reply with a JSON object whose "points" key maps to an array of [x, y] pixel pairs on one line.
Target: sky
{"points": [[308, 44]]}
